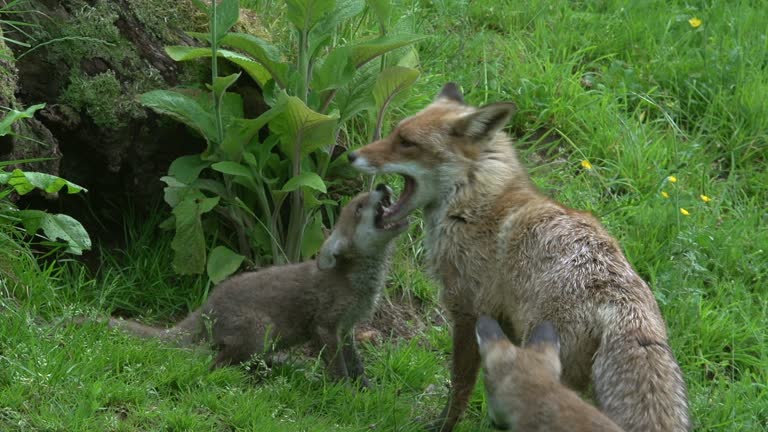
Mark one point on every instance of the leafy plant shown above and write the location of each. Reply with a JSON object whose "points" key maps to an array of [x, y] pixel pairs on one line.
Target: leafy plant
{"points": [[56, 228], [269, 189]]}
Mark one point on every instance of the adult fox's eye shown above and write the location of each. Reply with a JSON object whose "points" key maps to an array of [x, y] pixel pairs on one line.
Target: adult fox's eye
{"points": [[404, 143]]}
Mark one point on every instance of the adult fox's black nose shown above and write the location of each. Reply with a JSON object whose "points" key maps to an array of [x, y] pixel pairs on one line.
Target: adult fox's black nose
{"points": [[352, 156]]}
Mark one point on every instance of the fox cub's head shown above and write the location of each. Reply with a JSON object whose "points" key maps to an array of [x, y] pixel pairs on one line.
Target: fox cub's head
{"points": [[361, 229], [510, 371], [431, 148]]}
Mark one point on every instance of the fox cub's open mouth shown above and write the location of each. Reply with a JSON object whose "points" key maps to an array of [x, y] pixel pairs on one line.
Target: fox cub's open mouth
{"points": [[397, 212], [385, 209]]}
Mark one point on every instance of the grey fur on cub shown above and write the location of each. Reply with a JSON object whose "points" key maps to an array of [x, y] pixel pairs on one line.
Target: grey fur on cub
{"points": [[317, 300]]}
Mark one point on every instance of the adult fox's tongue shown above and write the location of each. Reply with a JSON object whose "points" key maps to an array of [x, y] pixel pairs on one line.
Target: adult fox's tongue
{"points": [[399, 209]]}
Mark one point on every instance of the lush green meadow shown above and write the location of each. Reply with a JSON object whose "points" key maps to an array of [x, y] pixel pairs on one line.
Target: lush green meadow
{"points": [[654, 121]]}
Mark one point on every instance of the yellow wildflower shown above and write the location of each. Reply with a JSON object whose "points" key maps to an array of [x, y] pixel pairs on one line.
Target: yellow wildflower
{"points": [[705, 198], [684, 212], [664, 194], [694, 22], [672, 179], [585, 163]]}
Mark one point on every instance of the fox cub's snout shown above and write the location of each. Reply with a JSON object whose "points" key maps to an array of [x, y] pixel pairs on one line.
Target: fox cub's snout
{"points": [[523, 386]]}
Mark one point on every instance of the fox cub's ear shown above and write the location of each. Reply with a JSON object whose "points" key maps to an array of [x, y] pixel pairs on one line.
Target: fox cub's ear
{"points": [[544, 335], [331, 250], [488, 331], [486, 121], [451, 91]]}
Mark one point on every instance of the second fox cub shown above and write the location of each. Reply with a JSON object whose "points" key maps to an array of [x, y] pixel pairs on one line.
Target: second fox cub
{"points": [[523, 384], [282, 306]]}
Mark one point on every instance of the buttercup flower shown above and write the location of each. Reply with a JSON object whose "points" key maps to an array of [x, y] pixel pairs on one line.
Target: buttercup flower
{"points": [[694, 22], [664, 194], [705, 198], [672, 179], [684, 212], [585, 163]]}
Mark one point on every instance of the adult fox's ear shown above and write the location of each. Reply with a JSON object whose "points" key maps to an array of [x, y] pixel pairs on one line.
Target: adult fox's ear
{"points": [[488, 333], [452, 92], [485, 121], [331, 250]]}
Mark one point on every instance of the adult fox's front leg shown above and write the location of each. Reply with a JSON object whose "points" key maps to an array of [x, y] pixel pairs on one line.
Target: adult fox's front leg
{"points": [[464, 369]]}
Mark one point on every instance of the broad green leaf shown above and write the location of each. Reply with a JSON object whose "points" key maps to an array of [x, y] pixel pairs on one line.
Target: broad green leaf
{"points": [[383, 10], [25, 182], [261, 237], [336, 70], [254, 69], [202, 6], [57, 227], [305, 14], [259, 50], [390, 82], [182, 108], [222, 263], [187, 169], [364, 52], [230, 104], [210, 185], [14, 115], [322, 33], [410, 59], [356, 96], [174, 191], [221, 84], [298, 125], [240, 132], [189, 241], [168, 224], [313, 236], [232, 168], [306, 179], [226, 16]]}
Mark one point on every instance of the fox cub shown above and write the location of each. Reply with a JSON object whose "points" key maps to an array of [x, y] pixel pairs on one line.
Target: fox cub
{"points": [[318, 300], [523, 384]]}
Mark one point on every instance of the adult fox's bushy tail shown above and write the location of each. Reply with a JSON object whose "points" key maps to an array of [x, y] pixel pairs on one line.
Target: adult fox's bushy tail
{"points": [[185, 333], [638, 383]]}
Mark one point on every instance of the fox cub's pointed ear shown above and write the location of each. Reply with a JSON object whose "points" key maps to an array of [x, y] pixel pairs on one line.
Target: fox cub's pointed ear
{"points": [[486, 121], [544, 335], [451, 91], [331, 250], [488, 331]]}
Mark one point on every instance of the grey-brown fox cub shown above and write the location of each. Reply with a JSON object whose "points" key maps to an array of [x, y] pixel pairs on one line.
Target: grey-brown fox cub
{"points": [[281, 306], [523, 384]]}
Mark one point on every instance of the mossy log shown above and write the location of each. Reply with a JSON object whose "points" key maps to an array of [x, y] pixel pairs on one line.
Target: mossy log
{"points": [[30, 138], [90, 59]]}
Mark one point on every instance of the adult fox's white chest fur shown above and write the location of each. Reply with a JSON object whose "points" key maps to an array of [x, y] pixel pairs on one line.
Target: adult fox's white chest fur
{"points": [[281, 306], [502, 248]]}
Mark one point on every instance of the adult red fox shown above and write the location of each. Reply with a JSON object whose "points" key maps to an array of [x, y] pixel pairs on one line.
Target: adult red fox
{"points": [[502, 248]]}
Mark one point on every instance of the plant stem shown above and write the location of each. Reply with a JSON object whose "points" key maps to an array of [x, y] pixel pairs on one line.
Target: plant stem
{"points": [[215, 74], [297, 214]]}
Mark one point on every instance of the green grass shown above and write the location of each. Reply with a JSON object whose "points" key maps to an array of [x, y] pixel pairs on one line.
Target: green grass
{"points": [[631, 87]]}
